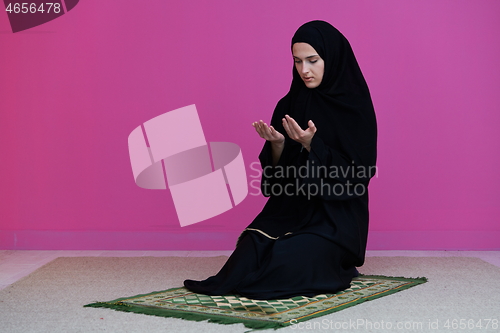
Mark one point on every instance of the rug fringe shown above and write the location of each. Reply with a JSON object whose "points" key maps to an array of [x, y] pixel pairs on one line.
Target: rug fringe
{"points": [[420, 279], [118, 306]]}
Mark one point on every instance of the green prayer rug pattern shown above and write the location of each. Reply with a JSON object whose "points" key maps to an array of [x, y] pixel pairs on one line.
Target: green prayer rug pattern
{"points": [[182, 303]]}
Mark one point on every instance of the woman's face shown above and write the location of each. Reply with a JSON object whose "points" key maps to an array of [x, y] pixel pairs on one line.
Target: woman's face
{"points": [[309, 64]]}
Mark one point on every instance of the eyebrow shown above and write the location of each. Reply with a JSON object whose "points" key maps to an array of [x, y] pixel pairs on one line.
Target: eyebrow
{"points": [[311, 56]]}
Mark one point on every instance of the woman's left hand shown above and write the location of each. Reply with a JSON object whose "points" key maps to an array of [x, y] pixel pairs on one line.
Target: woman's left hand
{"points": [[296, 133]]}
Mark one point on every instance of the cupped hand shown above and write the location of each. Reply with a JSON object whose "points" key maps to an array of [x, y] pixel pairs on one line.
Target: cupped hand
{"points": [[268, 132], [296, 133]]}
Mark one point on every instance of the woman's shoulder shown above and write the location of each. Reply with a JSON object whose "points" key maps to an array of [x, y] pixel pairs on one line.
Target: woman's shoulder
{"points": [[283, 104], [283, 100]]}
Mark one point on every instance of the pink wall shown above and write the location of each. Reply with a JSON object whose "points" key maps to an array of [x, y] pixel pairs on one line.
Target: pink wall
{"points": [[73, 89]]}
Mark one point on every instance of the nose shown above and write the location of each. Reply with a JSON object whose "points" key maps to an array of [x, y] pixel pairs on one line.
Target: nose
{"points": [[304, 69]]}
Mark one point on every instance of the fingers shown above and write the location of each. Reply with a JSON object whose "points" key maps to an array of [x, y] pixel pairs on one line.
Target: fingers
{"points": [[257, 128], [286, 127], [295, 132], [292, 128], [267, 132], [273, 131], [312, 127], [293, 124], [262, 129]]}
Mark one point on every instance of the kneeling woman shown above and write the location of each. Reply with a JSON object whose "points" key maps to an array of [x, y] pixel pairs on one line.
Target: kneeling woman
{"points": [[318, 158]]}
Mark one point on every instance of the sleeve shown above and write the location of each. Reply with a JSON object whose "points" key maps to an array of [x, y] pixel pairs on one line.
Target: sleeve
{"points": [[334, 176], [290, 155]]}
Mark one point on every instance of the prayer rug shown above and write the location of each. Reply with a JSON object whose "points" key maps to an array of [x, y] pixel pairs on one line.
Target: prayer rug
{"points": [[258, 314]]}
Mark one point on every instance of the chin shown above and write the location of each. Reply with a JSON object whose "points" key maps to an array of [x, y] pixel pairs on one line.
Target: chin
{"points": [[311, 85]]}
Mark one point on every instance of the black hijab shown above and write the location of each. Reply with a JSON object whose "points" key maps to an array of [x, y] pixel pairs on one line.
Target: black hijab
{"points": [[341, 106]]}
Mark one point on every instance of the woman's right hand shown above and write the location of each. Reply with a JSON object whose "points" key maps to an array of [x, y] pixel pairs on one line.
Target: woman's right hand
{"points": [[268, 132]]}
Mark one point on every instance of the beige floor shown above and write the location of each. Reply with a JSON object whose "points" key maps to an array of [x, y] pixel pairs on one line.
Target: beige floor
{"points": [[16, 264]]}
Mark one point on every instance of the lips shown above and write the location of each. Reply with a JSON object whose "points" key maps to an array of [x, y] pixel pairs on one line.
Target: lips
{"points": [[307, 79]]}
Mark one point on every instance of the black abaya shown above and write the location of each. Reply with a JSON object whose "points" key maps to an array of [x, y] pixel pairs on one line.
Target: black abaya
{"points": [[312, 232]]}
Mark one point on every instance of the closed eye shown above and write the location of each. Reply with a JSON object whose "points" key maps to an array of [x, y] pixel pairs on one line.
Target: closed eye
{"points": [[311, 59]]}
